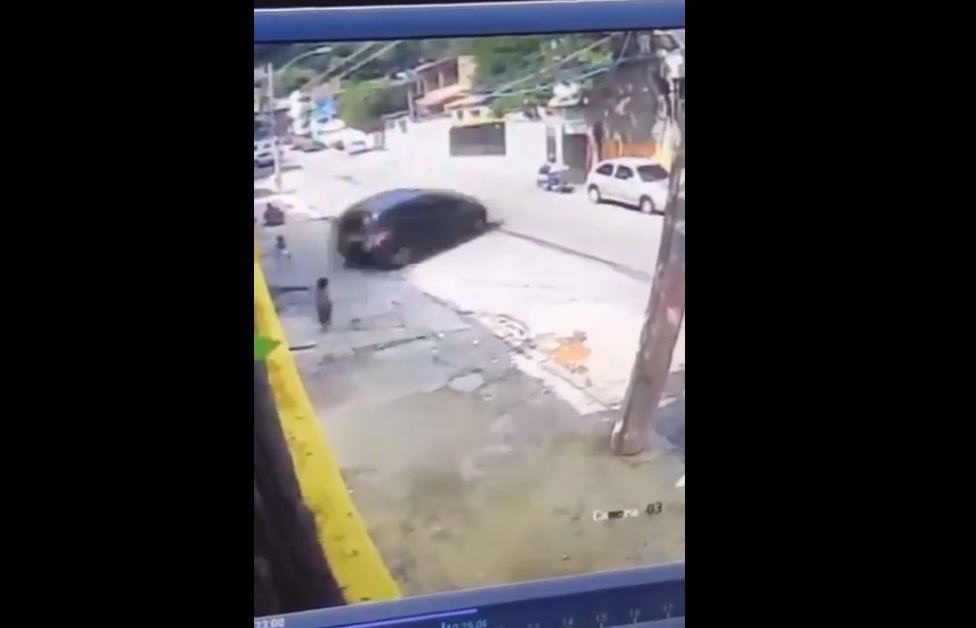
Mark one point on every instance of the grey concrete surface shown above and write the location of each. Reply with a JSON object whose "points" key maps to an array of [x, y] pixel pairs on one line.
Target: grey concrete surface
{"points": [[469, 398]]}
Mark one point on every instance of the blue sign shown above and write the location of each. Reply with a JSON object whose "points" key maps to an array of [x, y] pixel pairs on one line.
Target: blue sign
{"points": [[325, 109]]}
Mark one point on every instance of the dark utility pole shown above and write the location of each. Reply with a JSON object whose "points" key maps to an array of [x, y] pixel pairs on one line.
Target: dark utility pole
{"points": [[664, 314], [666, 309]]}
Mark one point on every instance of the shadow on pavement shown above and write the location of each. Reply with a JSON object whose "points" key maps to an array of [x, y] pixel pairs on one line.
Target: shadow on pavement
{"points": [[631, 208], [265, 172], [422, 256]]}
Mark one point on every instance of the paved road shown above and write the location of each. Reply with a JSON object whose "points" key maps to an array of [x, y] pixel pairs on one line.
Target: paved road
{"points": [[331, 181], [551, 291]]}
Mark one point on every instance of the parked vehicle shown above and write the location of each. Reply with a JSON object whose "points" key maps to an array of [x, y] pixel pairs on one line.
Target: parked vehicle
{"points": [[642, 183], [308, 145], [357, 145], [397, 227], [263, 152], [334, 133], [551, 177], [352, 141]]}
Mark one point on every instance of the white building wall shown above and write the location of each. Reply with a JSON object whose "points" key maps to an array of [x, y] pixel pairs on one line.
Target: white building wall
{"points": [[426, 145]]}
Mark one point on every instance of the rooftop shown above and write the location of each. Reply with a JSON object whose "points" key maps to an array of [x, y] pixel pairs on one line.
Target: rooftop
{"points": [[441, 95], [433, 64], [471, 100]]}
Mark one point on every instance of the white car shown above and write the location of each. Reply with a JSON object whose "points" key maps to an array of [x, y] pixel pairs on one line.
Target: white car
{"points": [[354, 141], [357, 145], [642, 183], [264, 152]]}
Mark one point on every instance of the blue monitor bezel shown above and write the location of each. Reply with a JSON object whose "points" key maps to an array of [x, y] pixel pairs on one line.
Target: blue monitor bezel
{"points": [[463, 604], [460, 20]]}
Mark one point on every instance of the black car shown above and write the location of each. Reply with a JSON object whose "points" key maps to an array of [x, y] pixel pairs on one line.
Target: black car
{"points": [[396, 227]]}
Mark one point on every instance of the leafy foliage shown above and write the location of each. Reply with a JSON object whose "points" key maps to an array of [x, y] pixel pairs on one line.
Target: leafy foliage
{"points": [[293, 78], [263, 346], [500, 60], [363, 102]]}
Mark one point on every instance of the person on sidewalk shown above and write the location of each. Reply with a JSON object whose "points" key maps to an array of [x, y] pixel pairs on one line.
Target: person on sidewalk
{"points": [[323, 303], [281, 249]]}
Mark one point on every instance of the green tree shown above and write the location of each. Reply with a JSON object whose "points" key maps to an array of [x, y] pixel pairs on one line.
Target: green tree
{"points": [[362, 102], [504, 59], [292, 79], [501, 59]]}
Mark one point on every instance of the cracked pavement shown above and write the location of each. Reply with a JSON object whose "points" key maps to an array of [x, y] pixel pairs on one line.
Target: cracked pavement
{"points": [[469, 400]]}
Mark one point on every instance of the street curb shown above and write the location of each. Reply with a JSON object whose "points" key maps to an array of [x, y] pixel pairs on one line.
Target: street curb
{"points": [[352, 555], [633, 273]]}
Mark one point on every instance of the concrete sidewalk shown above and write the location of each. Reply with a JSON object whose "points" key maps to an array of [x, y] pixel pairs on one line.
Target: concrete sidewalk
{"points": [[551, 305], [447, 390]]}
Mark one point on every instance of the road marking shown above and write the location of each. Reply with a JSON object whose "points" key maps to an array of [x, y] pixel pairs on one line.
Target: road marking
{"points": [[681, 482]]}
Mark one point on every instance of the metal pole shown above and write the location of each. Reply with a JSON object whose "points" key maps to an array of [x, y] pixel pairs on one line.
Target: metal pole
{"points": [[276, 145], [665, 313], [411, 114]]}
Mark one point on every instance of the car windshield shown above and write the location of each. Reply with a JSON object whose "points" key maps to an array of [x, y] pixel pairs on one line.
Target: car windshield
{"points": [[652, 173]]}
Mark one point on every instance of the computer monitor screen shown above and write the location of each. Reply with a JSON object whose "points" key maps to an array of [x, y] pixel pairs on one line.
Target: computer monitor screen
{"points": [[469, 311]]}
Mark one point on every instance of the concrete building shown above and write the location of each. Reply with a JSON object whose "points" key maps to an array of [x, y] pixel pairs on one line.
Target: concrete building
{"points": [[471, 110], [440, 82], [260, 90], [568, 131], [626, 104], [300, 112]]}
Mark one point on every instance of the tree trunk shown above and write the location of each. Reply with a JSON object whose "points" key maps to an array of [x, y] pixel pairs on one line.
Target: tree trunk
{"points": [[662, 324], [290, 572]]}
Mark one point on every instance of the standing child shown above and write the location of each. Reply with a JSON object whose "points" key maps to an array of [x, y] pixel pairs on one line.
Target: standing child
{"points": [[281, 249], [323, 303]]}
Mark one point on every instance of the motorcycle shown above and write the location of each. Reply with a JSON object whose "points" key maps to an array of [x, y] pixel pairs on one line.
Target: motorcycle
{"points": [[552, 178]]}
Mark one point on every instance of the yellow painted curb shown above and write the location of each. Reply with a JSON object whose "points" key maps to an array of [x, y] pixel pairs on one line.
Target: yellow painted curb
{"points": [[354, 559]]}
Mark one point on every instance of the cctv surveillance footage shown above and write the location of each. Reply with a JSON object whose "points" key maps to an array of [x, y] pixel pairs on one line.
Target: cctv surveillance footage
{"points": [[469, 313]]}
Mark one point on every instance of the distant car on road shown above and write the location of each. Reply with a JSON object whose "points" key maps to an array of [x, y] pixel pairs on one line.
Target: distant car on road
{"points": [[642, 183], [397, 227], [352, 142], [357, 145], [308, 145], [263, 152]]}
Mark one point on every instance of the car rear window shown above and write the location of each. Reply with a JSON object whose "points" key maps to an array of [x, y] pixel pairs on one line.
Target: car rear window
{"points": [[355, 221], [606, 169], [652, 173], [386, 200]]}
